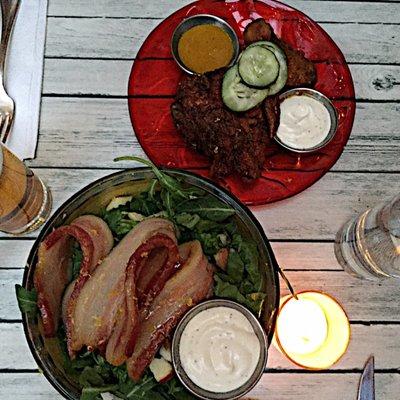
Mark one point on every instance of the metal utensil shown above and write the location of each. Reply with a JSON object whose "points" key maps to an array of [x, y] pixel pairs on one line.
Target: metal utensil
{"points": [[366, 390], [9, 10]]}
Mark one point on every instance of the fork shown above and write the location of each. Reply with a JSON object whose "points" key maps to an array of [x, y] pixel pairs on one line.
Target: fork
{"points": [[9, 10]]}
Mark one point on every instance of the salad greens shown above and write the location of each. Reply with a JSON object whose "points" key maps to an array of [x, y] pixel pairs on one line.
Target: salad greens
{"points": [[27, 300], [95, 375], [196, 215]]}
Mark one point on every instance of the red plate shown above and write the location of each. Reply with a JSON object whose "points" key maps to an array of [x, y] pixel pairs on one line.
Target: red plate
{"points": [[155, 76]]}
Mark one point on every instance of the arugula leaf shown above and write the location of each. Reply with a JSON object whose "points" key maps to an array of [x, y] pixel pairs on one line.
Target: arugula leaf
{"points": [[205, 225], [118, 223], [139, 390], [147, 203], [168, 202], [246, 287], [237, 241], [255, 301], [223, 288], [187, 220], [152, 189], [210, 242], [207, 207], [174, 390], [90, 376], [249, 254], [171, 184], [92, 393], [77, 256], [27, 300], [235, 267]]}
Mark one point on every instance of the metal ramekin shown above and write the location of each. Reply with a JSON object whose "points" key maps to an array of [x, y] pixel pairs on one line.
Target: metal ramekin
{"points": [[258, 372], [202, 19], [328, 105]]}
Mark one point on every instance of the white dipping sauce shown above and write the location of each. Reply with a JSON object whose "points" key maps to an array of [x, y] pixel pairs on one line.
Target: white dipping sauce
{"points": [[219, 349], [304, 123]]}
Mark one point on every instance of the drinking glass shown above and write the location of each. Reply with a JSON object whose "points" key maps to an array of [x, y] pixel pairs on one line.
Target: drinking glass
{"points": [[368, 246], [25, 202]]}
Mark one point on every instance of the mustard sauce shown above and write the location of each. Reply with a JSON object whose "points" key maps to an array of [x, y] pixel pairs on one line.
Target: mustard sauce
{"points": [[205, 48]]}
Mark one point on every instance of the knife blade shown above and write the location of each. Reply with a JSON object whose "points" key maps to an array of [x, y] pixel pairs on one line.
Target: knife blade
{"points": [[366, 390]]}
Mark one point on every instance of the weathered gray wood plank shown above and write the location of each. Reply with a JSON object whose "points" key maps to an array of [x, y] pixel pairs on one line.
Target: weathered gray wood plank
{"points": [[305, 256], [282, 386], [337, 11], [380, 340], [358, 297], [121, 38], [290, 255], [322, 209], [86, 132], [96, 77], [85, 37], [309, 386], [349, 291], [110, 77], [78, 131], [13, 253], [317, 213]]}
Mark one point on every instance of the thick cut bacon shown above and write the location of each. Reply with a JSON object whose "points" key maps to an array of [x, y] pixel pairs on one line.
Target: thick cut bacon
{"points": [[101, 299], [190, 285], [122, 341], [103, 242], [148, 276], [100, 233], [53, 267]]}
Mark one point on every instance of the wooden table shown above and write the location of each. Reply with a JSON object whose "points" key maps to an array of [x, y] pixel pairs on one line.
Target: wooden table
{"points": [[85, 124]]}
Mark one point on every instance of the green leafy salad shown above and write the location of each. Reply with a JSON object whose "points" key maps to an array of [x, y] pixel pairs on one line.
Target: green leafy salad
{"points": [[196, 215]]}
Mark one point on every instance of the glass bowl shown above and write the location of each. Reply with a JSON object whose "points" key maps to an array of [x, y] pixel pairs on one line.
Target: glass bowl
{"points": [[47, 352]]}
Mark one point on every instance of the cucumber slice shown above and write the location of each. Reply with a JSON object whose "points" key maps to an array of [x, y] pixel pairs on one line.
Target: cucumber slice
{"points": [[236, 95], [280, 81], [258, 66]]}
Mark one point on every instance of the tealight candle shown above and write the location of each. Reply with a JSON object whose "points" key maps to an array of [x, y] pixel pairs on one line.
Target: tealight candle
{"points": [[313, 331]]}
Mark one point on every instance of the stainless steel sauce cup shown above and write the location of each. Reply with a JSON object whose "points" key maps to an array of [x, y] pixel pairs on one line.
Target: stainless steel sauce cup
{"points": [[326, 103], [202, 19], [180, 371]]}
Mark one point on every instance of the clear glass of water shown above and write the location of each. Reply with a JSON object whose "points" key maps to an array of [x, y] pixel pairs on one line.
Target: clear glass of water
{"points": [[368, 246]]}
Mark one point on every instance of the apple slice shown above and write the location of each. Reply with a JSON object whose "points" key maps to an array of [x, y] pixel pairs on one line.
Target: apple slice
{"points": [[221, 258], [165, 351], [161, 369], [108, 396]]}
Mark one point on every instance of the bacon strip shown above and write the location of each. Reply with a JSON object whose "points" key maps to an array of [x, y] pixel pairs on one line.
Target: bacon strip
{"points": [[103, 242], [190, 285], [100, 233], [122, 341], [53, 267], [100, 301]]}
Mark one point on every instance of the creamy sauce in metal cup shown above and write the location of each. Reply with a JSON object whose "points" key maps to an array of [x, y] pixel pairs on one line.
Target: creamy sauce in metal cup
{"points": [[219, 349], [304, 122]]}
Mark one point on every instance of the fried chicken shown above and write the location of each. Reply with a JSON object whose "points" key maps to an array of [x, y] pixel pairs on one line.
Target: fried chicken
{"points": [[235, 142]]}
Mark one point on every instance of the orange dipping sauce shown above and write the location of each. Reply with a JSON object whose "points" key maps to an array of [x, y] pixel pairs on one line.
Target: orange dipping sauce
{"points": [[205, 48]]}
